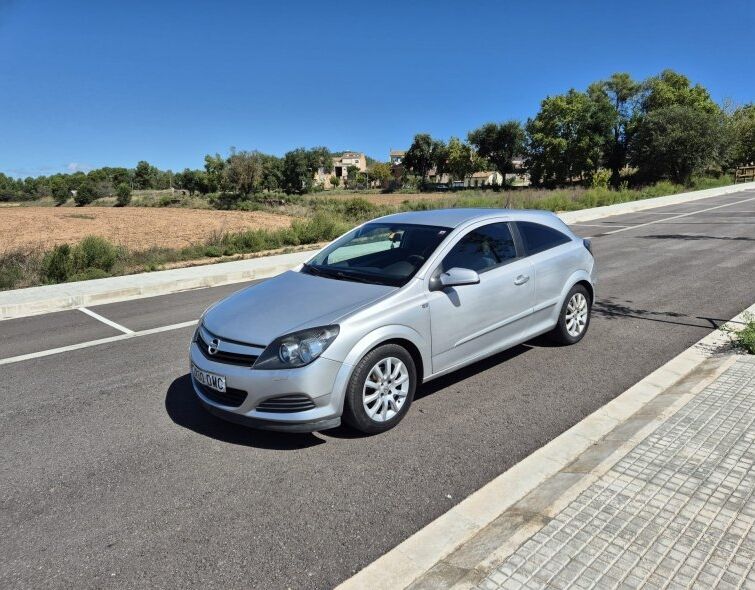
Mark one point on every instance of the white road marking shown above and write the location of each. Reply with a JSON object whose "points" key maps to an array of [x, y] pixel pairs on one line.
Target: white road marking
{"points": [[106, 321], [664, 220], [51, 351], [601, 225]]}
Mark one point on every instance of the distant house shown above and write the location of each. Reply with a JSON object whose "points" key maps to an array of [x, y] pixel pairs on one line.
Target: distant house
{"points": [[340, 167], [482, 179], [434, 177], [396, 157]]}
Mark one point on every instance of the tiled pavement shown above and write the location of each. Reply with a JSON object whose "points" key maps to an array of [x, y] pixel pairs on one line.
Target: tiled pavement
{"points": [[676, 512]]}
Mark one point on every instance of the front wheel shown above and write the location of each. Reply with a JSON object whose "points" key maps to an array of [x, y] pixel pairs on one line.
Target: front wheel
{"points": [[381, 389], [574, 318]]}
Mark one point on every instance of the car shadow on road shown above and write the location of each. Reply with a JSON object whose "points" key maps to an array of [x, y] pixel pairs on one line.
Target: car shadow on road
{"points": [[469, 371], [184, 409]]}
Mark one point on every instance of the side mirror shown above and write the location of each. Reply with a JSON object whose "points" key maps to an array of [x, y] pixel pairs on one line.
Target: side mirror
{"points": [[456, 276]]}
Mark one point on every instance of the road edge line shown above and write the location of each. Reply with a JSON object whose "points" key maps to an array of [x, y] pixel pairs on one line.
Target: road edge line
{"points": [[413, 557]]}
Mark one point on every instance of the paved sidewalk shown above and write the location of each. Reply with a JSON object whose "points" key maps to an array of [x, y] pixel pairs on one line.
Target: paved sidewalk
{"points": [[675, 508]]}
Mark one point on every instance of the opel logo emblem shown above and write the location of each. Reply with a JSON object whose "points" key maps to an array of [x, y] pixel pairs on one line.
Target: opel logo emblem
{"points": [[212, 347]]}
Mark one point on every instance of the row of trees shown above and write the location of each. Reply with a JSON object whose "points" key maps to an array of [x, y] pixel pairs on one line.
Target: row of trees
{"points": [[101, 182], [662, 127]]}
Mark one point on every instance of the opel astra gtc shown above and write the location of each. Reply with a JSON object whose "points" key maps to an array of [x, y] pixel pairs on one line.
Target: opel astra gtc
{"points": [[391, 304]]}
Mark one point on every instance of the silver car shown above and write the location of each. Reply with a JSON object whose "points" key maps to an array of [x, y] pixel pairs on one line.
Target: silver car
{"points": [[391, 304]]}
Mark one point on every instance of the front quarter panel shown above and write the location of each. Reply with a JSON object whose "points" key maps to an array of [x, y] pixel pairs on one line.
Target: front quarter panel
{"points": [[402, 316]]}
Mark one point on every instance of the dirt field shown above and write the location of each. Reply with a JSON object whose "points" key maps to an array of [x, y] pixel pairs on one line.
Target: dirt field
{"points": [[138, 228]]}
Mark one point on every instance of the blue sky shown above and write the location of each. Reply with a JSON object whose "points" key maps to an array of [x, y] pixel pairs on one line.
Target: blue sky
{"points": [[87, 84]]}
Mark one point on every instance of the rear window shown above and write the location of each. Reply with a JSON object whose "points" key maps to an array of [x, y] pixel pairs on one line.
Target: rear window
{"points": [[538, 238]]}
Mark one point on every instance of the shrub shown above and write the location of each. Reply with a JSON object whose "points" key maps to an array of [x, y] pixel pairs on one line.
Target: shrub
{"points": [[359, 209], [213, 252], [89, 274], [745, 338], [94, 252], [57, 264], [601, 178], [85, 194], [123, 194]]}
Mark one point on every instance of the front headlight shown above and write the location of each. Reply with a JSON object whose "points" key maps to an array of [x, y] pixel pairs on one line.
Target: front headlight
{"points": [[296, 349]]}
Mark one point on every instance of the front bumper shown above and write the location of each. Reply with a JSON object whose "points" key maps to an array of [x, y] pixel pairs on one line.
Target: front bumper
{"points": [[322, 381]]}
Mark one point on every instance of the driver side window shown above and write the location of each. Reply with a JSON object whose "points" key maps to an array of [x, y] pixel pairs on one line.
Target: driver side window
{"points": [[482, 249]]}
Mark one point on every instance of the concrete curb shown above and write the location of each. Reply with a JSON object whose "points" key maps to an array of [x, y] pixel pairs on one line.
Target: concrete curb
{"points": [[49, 298], [412, 558], [635, 206], [38, 300]]}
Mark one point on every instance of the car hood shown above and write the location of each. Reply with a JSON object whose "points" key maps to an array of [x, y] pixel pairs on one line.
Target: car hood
{"points": [[291, 301]]}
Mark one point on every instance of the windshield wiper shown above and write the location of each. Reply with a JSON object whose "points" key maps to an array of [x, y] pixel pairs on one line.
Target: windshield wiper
{"points": [[358, 278]]}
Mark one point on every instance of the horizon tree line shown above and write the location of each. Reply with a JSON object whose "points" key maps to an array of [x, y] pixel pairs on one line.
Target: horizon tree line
{"points": [[640, 132]]}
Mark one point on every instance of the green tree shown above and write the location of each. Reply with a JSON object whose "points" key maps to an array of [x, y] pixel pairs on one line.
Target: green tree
{"points": [[334, 180], [419, 156], [244, 171], [272, 173], [85, 194], [299, 167], [499, 143], [676, 142], [671, 88], [380, 172], [144, 175], [193, 181], [352, 173], [568, 137], [623, 92], [59, 190], [440, 157], [742, 135], [123, 194], [214, 166], [460, 163]]}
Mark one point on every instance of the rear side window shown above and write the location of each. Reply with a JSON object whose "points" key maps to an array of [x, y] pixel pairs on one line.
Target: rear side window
{"points": [[538, 238]]}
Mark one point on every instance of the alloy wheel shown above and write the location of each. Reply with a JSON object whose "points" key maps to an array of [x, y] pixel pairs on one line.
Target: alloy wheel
{"points": [[385, 389], [576, 314]]}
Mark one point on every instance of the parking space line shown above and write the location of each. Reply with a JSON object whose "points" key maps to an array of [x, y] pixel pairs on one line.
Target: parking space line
{"points": [[90, 343], [599, 225], [106, 321], [665, 219]]}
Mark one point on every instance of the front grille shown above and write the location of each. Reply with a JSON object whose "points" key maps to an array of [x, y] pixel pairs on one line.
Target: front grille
{"points": [[231, 397], [223, 356], [286, 403]]}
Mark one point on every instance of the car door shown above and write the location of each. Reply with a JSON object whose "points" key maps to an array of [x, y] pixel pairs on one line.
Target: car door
{"points": [[473, 321]]}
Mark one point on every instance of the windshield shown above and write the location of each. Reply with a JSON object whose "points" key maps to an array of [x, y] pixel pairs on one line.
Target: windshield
{"points": [[382, 253]]}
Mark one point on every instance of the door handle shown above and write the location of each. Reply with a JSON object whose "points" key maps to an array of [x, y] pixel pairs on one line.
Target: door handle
{"points": [[521, 279]]}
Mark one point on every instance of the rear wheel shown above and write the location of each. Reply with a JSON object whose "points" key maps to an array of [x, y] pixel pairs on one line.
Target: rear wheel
{"points": [[381, 389], [574, 318]]}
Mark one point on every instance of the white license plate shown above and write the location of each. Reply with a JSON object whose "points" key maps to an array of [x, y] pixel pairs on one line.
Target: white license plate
{"points": [[211, 380]]}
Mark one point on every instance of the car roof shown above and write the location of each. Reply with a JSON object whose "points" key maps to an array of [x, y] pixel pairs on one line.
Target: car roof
{"points": [[456, 217]]}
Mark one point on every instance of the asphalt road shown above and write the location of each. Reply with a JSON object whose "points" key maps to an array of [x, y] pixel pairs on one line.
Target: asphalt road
{"points": [[111, 475]]}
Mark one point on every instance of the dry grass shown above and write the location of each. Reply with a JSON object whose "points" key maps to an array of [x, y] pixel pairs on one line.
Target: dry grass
{"points": [[136, 228]]}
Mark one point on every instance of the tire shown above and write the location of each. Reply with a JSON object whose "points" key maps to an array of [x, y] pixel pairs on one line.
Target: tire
{"points": [[373, 405], [571, 328]]}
